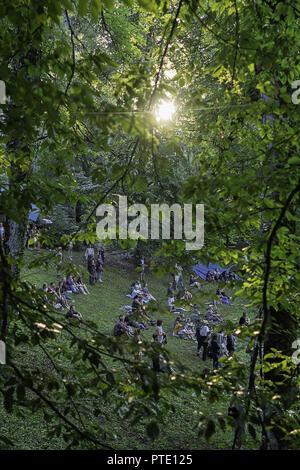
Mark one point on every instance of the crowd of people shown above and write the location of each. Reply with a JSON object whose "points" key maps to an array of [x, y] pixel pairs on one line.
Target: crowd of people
{"points": [[61, 296], [224, 276], [204, 329]]}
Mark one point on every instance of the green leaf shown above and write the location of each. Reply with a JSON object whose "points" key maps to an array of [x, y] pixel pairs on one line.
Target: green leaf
{"points": [[83, 6]]}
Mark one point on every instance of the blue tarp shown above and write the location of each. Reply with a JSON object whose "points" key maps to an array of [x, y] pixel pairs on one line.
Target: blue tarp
{"points": [[34, 213], [202, 270]]}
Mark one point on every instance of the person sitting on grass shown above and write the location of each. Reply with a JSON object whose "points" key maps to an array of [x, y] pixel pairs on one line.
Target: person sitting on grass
{"points": [[147, 294], [129, 325], [44, 287], [57, 301], [137, 303], [187, 332], [212, 316], [63, 287], [80, 285], [132, 288], [135, 289], [135, 324], [52, 287], [72, 314], [63, 292], [194, 282], [187, 295], [145, 317], [121, 327], [176, 327], [71, 286], [225, 299]]}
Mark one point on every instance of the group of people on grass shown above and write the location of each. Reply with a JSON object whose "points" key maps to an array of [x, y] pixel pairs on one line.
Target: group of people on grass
{"points": [[214, 343], [60, 296], [139, 290], [136, 314], [224, 276]]}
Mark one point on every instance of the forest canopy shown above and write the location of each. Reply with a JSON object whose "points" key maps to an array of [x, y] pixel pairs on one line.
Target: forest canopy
{"points": [[164, 102]]}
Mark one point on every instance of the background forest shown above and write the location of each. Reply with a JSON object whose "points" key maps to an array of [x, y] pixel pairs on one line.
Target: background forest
{"points": [[79, 127]]}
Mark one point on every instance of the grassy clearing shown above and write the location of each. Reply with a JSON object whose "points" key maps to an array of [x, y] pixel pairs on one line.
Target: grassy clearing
{"points": [[102, 306]]}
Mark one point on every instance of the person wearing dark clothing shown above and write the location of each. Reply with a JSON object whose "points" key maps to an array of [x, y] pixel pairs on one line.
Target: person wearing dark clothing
{"points": [[92, 270], [230, 344], [136, 304], [121, 327], [243, 319], [215, 351], [101, 254], [99, 268], [72, 314], [170, 292], [202, 333]]}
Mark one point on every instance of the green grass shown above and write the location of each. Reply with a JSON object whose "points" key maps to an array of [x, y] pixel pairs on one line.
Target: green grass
{"points": [[103, 306]]}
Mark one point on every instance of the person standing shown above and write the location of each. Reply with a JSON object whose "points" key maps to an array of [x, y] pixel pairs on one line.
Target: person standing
{"points": [[36, 241], [91, 270], [171, 298], [99, 267], [59, 254], [70, 249], [142, 265], [215, 351], [1, 231], [178, 276], [202, 333], [89, 252], [230, 344], [101, 253], [159, 336], [159, 333]]}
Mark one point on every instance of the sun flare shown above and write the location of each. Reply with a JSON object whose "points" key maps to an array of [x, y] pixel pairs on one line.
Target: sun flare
{"points": [[165, 111]]}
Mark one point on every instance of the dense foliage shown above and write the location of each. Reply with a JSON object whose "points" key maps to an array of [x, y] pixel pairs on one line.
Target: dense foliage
{"points": [[78, 129]]}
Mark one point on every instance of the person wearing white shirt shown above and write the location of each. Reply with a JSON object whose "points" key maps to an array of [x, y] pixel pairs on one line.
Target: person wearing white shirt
{"points": [[1, 231], [202, 333], [89, 252]]}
